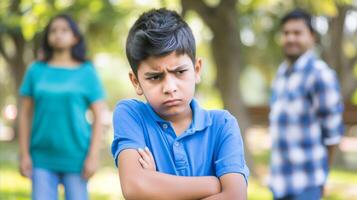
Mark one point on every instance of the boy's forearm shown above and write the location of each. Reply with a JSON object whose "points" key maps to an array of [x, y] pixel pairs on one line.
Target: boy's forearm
{"points": [[218, 196], [138, 183], [225, 195], [156, 185], [233, 187]]}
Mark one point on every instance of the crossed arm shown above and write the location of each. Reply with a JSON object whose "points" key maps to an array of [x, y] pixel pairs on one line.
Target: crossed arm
{"points": [[139, 180]]}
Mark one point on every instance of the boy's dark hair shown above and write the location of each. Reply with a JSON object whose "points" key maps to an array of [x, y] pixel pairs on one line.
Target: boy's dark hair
{"points": [[298, 14], [78, 50], [159, 32]]}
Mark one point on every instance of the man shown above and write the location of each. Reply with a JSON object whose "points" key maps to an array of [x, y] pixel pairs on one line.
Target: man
{"points": [[306, 114]]}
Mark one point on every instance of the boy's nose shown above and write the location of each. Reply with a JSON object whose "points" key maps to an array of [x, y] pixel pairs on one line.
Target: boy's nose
{"points": [[169, 85]]}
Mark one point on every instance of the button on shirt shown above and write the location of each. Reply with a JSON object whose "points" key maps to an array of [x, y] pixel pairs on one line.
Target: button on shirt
{"points": [[212, 145], [305, 117]]}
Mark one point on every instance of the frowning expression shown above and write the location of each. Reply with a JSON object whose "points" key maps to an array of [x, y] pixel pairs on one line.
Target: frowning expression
{"points": [[168, 83]]}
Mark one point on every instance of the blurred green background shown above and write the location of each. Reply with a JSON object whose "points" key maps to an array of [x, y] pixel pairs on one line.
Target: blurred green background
{"points": [[238, 41]]}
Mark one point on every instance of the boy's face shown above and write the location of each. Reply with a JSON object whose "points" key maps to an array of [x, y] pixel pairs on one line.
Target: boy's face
{"points": [[168, 83]]}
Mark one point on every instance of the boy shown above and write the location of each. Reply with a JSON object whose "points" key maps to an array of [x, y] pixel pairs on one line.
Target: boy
{"points": [[169, 147]]}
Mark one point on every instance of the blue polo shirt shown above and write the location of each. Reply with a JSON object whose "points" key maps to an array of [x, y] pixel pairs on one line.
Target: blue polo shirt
{"points": [[211, 146]]}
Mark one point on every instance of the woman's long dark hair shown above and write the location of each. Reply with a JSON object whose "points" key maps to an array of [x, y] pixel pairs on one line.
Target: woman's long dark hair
{"points": [[78, 50]]}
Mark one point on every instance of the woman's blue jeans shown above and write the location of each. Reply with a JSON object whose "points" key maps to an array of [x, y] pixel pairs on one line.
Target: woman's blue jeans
{"points": [[45, 185]]}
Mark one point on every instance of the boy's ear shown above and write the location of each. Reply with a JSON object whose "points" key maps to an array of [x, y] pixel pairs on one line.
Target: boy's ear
{"points": [[198, 67], [135, 83]]}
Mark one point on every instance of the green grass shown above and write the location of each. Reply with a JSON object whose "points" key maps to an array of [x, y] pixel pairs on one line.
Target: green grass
{"points": [[257, 190], [105, 184]]}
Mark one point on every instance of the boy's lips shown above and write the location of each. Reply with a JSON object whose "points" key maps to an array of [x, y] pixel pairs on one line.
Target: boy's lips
{"points": [[172, 102]]}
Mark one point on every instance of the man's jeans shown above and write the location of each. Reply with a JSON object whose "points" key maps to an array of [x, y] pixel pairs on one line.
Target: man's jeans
{"points": [[312, 193]]}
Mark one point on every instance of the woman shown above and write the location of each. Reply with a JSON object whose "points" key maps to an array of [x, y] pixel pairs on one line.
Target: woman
{"points": [[57, 144]]}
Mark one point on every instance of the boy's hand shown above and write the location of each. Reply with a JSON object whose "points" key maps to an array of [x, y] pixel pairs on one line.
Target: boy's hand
{"points": [[147, 159]]}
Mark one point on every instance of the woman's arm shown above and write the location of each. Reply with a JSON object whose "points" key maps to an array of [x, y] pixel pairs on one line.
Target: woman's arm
{"points": [[91, 162], [25, 120]]}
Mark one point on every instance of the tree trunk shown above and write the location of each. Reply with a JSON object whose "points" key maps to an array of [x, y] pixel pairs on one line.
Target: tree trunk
{"points": [[15, 62], [335, 56], [17, 67], [221, 20]]}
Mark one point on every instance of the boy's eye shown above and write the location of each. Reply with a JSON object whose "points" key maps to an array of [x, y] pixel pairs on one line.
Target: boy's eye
{"points": [[153, 78], [181, 72]]}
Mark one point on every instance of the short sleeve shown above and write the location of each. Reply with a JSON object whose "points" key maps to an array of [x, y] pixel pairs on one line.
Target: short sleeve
{"points": [[95, 87], [229, 157], [27, 85], [128, 131]]}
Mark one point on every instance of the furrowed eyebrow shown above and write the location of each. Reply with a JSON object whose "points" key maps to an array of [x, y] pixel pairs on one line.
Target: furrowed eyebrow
{"points": [[175, 69], [178, 68], [150, 74]]}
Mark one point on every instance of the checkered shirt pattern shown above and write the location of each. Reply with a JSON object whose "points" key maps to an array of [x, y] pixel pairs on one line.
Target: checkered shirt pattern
{"points": [[305, 117]]}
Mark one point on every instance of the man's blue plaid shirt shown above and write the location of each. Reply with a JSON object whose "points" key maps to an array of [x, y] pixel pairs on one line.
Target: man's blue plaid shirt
{"points": [[305, 117]]}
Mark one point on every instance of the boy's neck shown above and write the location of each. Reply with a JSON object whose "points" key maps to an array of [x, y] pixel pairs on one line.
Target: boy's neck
{"points": [[182, 122]]}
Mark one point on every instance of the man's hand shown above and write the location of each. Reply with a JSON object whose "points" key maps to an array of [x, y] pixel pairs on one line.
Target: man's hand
{"points": [[90, 166], [146, 159], [323, 191], [26, 166]]}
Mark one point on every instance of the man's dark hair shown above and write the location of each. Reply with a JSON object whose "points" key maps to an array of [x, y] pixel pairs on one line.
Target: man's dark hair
{"points": [[78, 51], [298, 14], [159, 32]]}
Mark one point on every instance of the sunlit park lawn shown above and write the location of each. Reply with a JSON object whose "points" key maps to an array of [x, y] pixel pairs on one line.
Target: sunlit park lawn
{"points": [[105, 184]]}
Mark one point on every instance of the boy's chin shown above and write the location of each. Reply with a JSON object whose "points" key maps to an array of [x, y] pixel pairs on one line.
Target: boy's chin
{"points": [[171, 113]]}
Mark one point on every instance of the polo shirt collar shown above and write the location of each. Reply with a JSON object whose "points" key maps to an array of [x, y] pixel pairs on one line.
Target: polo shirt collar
{"points": [[201, 118], [153, 114]]}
